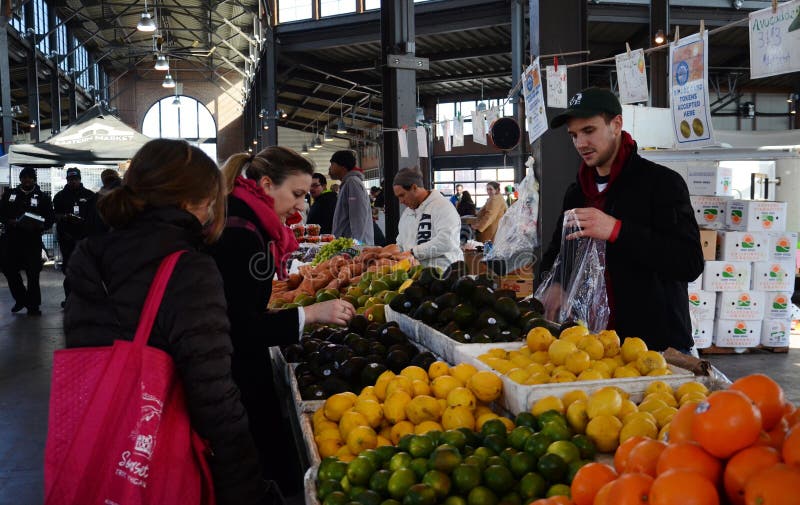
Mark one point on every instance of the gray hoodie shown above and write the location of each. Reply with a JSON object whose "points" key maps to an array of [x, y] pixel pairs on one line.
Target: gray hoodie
{"points": [[353, 215]]}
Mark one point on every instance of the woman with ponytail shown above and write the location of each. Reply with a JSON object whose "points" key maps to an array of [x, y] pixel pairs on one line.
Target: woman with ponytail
{"points": [[171, 199], [264, 189]]}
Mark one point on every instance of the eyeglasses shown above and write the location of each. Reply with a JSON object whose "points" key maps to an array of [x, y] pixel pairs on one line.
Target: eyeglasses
{"points": [[316, 185]]}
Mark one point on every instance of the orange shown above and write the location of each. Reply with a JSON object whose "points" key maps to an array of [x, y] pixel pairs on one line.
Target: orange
{"points": [[743, 465], [680, 428], [683, 487], [644, 457], [623, 450], [792, 415], [588, 481], [773, 486], [601, 498], [766, 394], [774, 437], [791, 447], [727, 422], [559, 500], [630, 489], [689, 456]]}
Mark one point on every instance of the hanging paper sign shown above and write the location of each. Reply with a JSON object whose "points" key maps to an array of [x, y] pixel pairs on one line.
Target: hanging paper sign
{"points": [[448, 140], [691, 115], [535, 116], [632, 77], [458, 132], [402, 141], [491, 116], [422, 141], [479, 127], [775, 40], [556, 86]]}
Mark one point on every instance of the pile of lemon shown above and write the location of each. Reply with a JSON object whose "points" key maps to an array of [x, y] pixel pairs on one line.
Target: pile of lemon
{"points": [[609, 417], [576, 355], [415, 401]]}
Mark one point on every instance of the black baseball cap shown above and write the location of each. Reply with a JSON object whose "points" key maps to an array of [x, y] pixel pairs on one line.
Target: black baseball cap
{"points": [[73, 172], [589, 103]]}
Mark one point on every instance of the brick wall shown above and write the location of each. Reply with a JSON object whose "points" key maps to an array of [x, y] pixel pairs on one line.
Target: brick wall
{"points": [[135, 94]]}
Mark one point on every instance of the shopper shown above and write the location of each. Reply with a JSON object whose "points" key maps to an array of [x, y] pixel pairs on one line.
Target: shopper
{"points": [[642, 211], [353, 217], [456, 198], [172, 199], [466, 207], [255, 247], [489, 216], [430, 227], [74, 207], [324, 204], [26, 211], [110, 180]]}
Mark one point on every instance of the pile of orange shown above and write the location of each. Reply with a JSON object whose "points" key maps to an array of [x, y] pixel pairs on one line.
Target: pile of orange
{"points": [[740, 447]]}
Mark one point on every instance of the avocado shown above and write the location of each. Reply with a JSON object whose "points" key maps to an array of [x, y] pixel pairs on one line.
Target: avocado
{"points": [[313, 392], [536, 305], [293, 353], [458, 336], [427, 276], [464, 287], [445, 316], [377, 348], [464, 315], [374, 358], [303, 369], [415, 293], [509, 293], [325, 371], [540, 322], [371, 372], [321, 333], [423, 360], [438, 287], [450, 327], [457, 269], [482, 337], [305, 380], [334, 385], [483, 297], [351, 369], [327, 353], [342, 354], [337, 337], [525, 316], [489, 318], [397, 303], [350, 338], [426, 312], [310, 345], [360, 347], [391, 336], [396, 361], [389, 324], [411, 349], [504, 336], [358, 324], [447, 300], [507, 308], [486, 280]]}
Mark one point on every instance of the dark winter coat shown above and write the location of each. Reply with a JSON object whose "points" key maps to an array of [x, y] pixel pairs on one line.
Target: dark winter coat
{"points": [[321, 211], [656, 253], [21, 244], [191, 326], [76, 202]]}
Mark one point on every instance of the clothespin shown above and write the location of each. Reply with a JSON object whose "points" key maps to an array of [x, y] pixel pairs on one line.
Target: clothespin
{"points": [[555, 63], [677, 33], [702, 27], [404, 127], [774, 6], [628, 48]]}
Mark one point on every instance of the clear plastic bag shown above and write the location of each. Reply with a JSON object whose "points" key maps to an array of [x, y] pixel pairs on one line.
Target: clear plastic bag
{"points": [[579, 273], [516, 232]]}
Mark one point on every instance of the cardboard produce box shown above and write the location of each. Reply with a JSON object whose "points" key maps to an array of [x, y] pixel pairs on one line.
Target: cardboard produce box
{"points": [[708, 240], [520, 281], [702, 304], [703, 333], [773, 275], [778, 305], [737, 333], [709, 211], [782, 246], [727, 276], [744, 305], [743, 245], [755, 215], [776, 332], [710, 180], [697, 284]]}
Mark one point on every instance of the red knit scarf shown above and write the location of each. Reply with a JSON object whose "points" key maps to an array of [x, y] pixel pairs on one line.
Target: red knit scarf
{"points": [[586, 174], [281, 239]]}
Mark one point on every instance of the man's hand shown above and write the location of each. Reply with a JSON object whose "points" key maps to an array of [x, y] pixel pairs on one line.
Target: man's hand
{"points": [[594, 223], [552, 301], [331, 312]]}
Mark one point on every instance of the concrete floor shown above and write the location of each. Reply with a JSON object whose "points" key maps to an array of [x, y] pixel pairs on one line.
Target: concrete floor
{"points": [[27, 344]]}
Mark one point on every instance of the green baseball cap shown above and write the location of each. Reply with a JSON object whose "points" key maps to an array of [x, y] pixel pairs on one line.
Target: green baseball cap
{"points": [[588, 103]]}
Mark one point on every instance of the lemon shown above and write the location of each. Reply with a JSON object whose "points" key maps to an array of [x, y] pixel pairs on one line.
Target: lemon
{"points": [[508, 422], [442, 404], [482, 409], [537, 378], [548, 403], [536, 368], [400, 430], [361, 439], [624, 394], [632, 348], [659, 387], [426, 426], [344, 454], [458, 417], [371, 410], [611, 363], [649, 361], [461, 397], [659, 372], [415, 373], [337, 404], [577, 416], [421, 388], [605, 402], [591, 374], [664, 415], [624, 372], [463, 372], [486, 386], [639, 415], [692, 396], [423, 408], [663, 435], [443, 384], [498, 353], [382, 383], [602, 367], [394, 408], [651, 405], [349, 421], [540, 357], [539, 339], [688, 387], [368, 393], [518, 375], [386, 430], [604, 432], [578, 361], [318, 416], [573, 396], [574, 333], [560, 349], [399, 383], [519, 359], [664, 397], [610, 341], [329, 434], [482, 419], [627, 408], [325, 426], [563, 376], [382, 441], [593, 346], [638, 427], [329, 447], [437, 369], [503, 365]]}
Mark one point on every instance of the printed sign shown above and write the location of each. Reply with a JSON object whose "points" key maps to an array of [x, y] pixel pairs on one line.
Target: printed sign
{"points": [[458, 132], [479, 127], [691, 115], [632, 77], [535, 116], [556, 86], [774, 39], [422, 141]]}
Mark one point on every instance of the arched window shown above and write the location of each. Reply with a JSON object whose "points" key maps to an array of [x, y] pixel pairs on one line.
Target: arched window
{"points": [[190, 120]]}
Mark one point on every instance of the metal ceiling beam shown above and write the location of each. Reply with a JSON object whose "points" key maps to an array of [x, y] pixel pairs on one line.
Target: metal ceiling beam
{"points": [[239, 31], [320, 108], [233, 66], [639, 13]]}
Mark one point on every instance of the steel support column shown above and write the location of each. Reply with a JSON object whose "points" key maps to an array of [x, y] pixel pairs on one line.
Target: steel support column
{"points": [[270, 90], [399, 99], [33, 79], [71, 92], [5, 77], [55, 90], [659, 20], [517, 57]]}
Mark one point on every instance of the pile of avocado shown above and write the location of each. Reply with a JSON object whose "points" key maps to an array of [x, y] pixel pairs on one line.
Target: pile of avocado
{"points": [[470, 310], [335, 360]]}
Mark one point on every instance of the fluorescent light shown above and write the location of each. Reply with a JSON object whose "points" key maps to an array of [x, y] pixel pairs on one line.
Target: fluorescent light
{"points": [[146, 24], [162, 63]]}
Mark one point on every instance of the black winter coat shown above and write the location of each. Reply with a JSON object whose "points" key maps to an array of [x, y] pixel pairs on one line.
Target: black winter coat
{"points": [[191, 326], [321, 211], [71, 230], [21, 244], [656, 254]]}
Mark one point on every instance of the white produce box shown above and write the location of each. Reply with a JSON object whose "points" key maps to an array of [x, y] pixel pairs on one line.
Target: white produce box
{"points": [[755, 215], [703, 333], [702, 304], [782, 246], [709, 180], [697, 284], [744, 305], [743, 245], [726, 276], [709, 211], [776, 332], [778, 305], [773, 275], [737, 333]]}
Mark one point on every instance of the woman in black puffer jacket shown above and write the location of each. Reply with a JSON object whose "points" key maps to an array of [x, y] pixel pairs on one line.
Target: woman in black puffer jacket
{"points": [[172, 199]]}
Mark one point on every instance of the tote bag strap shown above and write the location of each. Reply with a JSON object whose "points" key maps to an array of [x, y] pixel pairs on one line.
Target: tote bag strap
{"points": [[154, 297]]}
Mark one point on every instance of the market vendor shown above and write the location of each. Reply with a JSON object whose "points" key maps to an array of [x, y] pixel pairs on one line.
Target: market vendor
{"points": [[430, 226], [642, 211]]}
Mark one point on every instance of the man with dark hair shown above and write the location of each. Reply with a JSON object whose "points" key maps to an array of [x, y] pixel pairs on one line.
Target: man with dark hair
{"points": [[642, 211], [353, 215], [73, 206], [324, 204], [26, 211], [456, 198]]}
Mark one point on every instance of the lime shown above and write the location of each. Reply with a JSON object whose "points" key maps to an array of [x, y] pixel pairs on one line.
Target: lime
{"points": [[573, 468], [585, 445], [420, 467], [421, 446], [496, 460], [498, 478], [481, 496], [507, 454], [335, 498], [379, 482], [566, 449], [453, 437], [559, 490], [405, 442], [531, 486], [354, 492], [550, 415], [511, 498], [436, 436], [345, 482], [400, 460], [537, 444], [475, 460], [372, 455], [493, 427], [390, 501], [400, 481], [557, 431], [484, 453], [369, 497], [439, 481], [326, 487], [472, 438], [522, 463], [552, 467], [455, 500], [420, 494], [332, 468], [518, 436], [495, 442], [444, 458], [526, 419], [360, 470], [466, 477]]}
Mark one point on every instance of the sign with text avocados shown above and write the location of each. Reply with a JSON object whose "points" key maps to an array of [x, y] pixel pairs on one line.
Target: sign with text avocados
{"points": [[775, 40], [691, 115]]}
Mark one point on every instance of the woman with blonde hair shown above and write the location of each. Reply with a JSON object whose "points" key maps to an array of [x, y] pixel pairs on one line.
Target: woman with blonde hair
{"points": [[489, 216], [264, 189], [171, 199]]}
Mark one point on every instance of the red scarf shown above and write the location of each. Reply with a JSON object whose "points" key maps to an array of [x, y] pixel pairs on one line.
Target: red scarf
{"points": [[281, 239], [586, 174]]}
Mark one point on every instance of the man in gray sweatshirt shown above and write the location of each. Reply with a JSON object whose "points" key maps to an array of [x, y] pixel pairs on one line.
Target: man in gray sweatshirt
{"points": [[353, 215]]}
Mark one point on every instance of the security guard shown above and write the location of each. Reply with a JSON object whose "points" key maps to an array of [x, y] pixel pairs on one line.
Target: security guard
{"points": [[26, 212], [73, 207]]}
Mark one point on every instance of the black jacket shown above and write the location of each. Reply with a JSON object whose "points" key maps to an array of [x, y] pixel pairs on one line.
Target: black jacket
{"points": [[66, 202], [321, 211], [191, 326], [21, 244], [656, 253]]}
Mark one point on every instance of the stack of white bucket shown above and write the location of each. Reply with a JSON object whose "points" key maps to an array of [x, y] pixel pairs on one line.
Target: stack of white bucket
{"points": [[743, 297]]}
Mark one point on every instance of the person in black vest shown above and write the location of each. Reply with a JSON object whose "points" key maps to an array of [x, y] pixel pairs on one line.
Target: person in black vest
{"points": [[324, 204], [26, 212], [74, 207]]}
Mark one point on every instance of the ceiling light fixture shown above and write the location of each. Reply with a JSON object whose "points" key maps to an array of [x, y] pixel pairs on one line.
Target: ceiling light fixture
{"points": [[737, 4], [317, 142], [162, 63], [326, 136], [169, 82], [340, 127], [176, 101], [146, 24], [660, 37], [304, 150]]}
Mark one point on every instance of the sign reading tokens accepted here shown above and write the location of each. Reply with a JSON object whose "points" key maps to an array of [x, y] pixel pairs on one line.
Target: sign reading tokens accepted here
{"points": [[632, 75], [691, 114], [774, 40]]}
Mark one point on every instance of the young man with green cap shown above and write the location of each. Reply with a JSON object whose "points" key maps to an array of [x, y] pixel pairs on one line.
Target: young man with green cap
{"points": [[642, 211]]}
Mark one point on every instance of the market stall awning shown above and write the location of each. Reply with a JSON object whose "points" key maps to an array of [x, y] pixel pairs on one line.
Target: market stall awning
{"points": [[96, 138]]}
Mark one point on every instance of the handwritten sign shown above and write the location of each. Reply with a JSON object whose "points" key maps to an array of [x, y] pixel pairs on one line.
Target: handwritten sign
{"points": [[775, 40], [691, 115], [556, 86], [632, 77], [535, 116]]}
